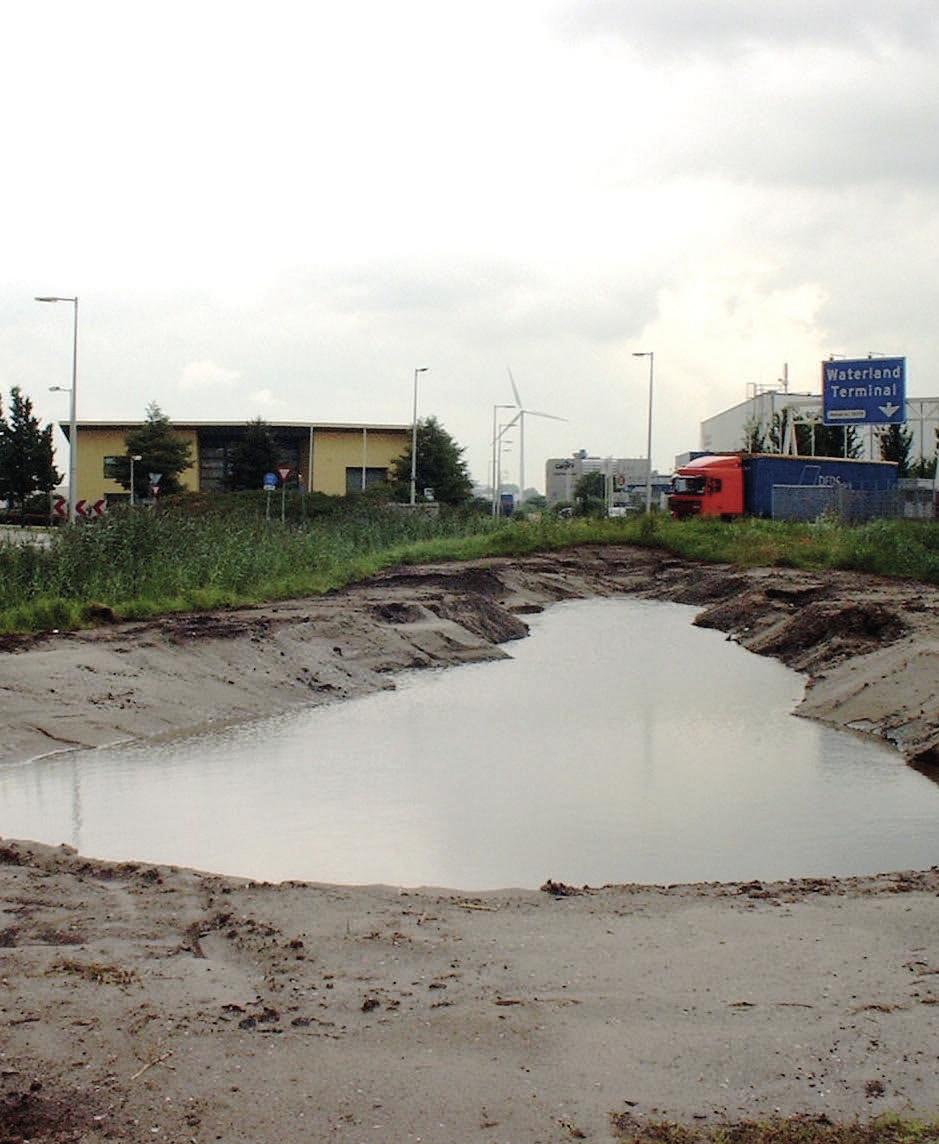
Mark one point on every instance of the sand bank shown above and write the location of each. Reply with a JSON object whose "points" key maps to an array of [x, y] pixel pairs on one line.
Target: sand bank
{"points": [[152, 1003]]}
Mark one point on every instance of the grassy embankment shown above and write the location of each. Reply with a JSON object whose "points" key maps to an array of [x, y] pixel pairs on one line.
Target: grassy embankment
{"points": [[143, 564]]}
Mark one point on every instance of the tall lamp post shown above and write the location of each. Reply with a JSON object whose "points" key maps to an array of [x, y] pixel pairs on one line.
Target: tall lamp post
{"points": [[503, 446], [495, 461], [651, 356], [72, 426], [420, 369], [133, 457]]}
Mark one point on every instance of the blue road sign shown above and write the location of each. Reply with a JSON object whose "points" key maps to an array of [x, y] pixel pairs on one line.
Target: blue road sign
{"points": [[864, 391], [270, 481]]}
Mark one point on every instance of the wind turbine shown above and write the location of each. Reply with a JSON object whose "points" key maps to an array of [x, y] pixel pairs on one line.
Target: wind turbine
{"points": [[520, 417]]}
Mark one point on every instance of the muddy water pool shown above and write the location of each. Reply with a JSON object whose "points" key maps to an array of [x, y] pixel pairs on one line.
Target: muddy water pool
{"points": [[617, 744]]}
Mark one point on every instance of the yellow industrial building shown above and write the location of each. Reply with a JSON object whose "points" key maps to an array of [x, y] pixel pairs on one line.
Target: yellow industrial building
{"points": [[325, 458]]}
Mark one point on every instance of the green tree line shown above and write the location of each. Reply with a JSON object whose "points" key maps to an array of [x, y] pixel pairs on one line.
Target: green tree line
{"points": [[27, 467], [894, 442]]}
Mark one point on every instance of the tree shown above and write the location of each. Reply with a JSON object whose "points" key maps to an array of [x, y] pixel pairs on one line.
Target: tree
{"points": [[534, 501], [754, 436], [160, 451], [26, 453], [816, 440], [778, 431], [253, 456], [924, 468], [895, 443], [836, 441], [440, 466], [590, 494]]}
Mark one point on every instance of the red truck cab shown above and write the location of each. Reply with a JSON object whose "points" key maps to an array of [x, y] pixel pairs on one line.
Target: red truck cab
{"points": [[708, 486]]}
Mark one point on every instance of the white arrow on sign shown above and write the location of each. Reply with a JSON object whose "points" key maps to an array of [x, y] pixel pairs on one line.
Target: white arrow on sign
{"points": [[888, 410]]}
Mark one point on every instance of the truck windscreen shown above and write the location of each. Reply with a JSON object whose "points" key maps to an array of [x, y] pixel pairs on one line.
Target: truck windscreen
{"points": [[692, 485]]}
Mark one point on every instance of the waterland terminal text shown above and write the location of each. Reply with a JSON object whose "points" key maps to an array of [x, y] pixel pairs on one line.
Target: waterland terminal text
{"points": [[835, 375]]}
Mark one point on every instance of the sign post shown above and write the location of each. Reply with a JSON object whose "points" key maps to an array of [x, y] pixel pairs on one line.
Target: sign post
{"points": [[155, 479], [864, 391], [283, 472], [270, 483]]}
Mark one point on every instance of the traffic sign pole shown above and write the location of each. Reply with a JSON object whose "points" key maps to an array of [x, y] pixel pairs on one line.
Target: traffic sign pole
{"points": [[283, 472], [269, 484]]}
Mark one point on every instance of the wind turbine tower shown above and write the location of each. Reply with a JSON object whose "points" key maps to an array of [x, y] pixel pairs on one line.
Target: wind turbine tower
{"points": [[520, 417]]}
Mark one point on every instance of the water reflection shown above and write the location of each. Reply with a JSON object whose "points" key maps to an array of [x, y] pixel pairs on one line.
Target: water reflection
{"points": [[618, 744]]}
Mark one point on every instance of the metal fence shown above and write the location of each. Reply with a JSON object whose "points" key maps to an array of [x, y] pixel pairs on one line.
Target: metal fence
{"points": [[853, 506]]}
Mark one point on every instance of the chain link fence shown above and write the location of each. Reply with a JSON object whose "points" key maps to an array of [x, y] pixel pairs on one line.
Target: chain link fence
{"points": [[912, 500]]}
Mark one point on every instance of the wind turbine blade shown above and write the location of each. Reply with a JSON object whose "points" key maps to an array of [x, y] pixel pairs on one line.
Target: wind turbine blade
{"points": [[550, 416], [508, 425], [518, 400]]}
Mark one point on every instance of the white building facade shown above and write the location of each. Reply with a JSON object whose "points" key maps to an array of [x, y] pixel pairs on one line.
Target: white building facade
{"points": [[562, 474], [727, 431]]}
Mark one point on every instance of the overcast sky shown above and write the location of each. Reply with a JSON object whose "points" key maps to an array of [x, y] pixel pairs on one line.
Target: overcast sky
{"points": [[283, 209]]}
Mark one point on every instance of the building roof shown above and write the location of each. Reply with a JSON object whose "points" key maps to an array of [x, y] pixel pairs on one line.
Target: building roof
{"points": [[306, 426]]}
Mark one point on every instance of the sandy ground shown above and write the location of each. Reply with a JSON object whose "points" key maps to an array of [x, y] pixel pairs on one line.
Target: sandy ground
{"points": [[152, 1003]]}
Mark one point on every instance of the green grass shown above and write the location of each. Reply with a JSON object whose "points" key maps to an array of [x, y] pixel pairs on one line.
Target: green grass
{"points": [[902, 548], [187, 556], [887, 1129]]}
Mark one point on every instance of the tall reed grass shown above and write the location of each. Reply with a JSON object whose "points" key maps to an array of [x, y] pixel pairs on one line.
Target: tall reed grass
{"points": [[143, 563], [138, 564]]}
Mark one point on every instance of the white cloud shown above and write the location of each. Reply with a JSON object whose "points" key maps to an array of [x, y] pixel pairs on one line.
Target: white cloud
{"points": [[265, 398], [207, 375], [719, 26], [327, 196]]}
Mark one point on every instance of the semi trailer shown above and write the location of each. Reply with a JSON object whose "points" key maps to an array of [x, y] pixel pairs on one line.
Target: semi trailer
{"points": [[738, 484]]}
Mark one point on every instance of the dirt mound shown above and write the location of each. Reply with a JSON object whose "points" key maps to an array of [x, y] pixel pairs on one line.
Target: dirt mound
{"points": [[708, 587], [739, 614], [838, 630], [30, 1111], [472, 580], [212, 626], [397, 612], [483, 618], [804, 625]]}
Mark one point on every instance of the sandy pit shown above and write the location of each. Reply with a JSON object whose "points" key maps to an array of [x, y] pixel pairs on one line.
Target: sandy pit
{"points": [[155, 1003]]}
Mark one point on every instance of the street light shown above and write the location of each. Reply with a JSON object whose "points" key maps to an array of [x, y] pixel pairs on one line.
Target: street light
{"points": [[651, 356], [503, 446], [420, 369], [72, 426], [495, 475], [133, 457]]}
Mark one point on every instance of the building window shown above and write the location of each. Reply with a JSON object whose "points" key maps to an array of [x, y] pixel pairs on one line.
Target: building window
{"points": [[372, 477], [114, 468]]}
